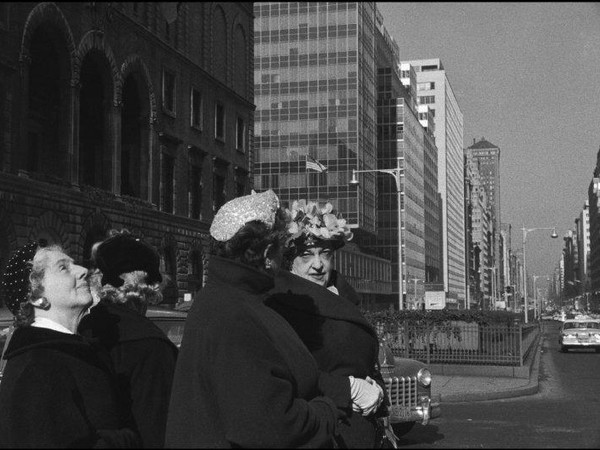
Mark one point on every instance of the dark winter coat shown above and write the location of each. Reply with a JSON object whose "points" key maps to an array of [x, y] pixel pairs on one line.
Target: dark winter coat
{"points": [[59, 392], [342, 342], [243, 377], [144, 360]]}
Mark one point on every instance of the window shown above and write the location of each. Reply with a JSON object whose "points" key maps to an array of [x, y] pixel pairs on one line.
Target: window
{"points": [[166, 181], [168, 91], [218, 191], [196, 110], [426, 99], [240, 141], [219, 121], [195, 210]]}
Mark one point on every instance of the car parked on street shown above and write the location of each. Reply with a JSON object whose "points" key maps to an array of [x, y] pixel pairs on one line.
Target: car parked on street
{"points": [[408, 385], [582, 332]]}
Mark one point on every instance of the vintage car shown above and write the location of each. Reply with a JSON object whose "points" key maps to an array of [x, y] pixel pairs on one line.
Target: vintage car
{"points": [[581, 332], [408, 385]]}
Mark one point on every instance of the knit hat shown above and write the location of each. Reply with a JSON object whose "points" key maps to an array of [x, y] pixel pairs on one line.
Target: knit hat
{"points": [[124, 253], [15, 284], [236, 213]]}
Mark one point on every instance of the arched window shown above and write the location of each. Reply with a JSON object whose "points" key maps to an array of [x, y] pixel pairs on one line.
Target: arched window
{"points": [[219, 45]]}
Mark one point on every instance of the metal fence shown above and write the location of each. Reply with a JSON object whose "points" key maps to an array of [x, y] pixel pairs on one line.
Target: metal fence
{"points": [[464, 343]]}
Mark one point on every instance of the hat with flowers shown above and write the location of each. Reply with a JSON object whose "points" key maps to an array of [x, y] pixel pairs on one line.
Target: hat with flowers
{"points": [[311, 225]]}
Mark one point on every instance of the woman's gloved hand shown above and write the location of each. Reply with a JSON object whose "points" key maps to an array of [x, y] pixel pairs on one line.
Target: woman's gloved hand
{"points": [[366, 395]]}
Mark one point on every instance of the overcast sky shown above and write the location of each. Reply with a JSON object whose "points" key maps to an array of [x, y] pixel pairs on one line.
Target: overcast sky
{"points": [[527, 78]]}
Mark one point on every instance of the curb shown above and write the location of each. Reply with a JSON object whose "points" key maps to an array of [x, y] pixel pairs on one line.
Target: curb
{"points": [[530, 388]]}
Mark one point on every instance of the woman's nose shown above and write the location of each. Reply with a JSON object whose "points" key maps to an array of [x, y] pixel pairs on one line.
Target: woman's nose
{"points": [[82, 272], [317, 262]]}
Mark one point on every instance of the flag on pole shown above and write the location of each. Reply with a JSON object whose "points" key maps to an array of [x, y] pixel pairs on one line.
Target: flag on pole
{"points": [[313, 164]]}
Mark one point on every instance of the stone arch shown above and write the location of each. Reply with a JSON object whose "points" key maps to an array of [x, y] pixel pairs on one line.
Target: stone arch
{"points": [[44, 13], [133, 64], [93, 229], [94, 40], [50, 227]]}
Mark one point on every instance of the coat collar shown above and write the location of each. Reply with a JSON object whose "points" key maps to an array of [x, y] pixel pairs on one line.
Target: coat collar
{"points": [[242, 276], [295, 292]]}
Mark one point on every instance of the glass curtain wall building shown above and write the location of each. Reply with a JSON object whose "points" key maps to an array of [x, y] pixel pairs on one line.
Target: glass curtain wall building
{"points": [[315, 92]]}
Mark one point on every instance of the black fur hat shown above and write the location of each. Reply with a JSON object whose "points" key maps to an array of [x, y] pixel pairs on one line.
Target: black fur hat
{"points": [[124, 253]]}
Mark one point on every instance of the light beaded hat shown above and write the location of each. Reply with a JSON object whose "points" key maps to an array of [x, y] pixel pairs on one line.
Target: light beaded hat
{"points": [[236, 213]]}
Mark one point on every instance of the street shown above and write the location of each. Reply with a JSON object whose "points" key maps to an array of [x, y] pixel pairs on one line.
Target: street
{"points": [[565, 413]]}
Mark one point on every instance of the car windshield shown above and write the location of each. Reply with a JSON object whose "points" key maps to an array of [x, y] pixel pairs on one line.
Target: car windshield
{"points": [[570, 325]]}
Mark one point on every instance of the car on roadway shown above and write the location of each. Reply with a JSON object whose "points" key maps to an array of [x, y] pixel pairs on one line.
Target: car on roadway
{"points": [[578, 333]]}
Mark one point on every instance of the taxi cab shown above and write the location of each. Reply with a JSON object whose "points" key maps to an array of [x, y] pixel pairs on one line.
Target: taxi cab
{"points": [[580, 332]]}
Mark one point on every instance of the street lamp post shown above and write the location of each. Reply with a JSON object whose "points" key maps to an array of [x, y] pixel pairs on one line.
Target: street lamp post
{"points": [[525, 231], [397, 173]]}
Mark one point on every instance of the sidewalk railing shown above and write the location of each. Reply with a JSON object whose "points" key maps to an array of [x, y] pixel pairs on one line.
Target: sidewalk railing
{"points": [[465, 343]]}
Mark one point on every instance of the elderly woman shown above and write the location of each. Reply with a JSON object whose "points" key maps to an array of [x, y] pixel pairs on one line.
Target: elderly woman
{"points": [[57, 390], [243, 377], [322, 308], [143, 356]]}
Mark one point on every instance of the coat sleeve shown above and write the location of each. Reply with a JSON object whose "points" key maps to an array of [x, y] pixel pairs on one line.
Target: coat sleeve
{"points": [[258, 404], [49, 411]]}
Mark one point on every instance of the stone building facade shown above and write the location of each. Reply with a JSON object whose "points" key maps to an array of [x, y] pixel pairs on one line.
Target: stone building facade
{"points": [[124, 115]]}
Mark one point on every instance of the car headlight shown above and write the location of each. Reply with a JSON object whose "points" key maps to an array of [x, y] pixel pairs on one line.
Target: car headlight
{"points": [[424, 377]]}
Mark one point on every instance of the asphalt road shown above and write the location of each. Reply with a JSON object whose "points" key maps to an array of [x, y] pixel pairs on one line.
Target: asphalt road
{"points": [[565, 413]]}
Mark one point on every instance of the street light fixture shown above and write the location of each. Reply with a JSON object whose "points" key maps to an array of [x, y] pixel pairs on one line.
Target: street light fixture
{"points": [[397, 173], [525, 231]]}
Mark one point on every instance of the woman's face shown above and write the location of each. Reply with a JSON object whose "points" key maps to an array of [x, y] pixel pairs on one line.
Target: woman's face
{"points": [[65, 283], [314, 264]]}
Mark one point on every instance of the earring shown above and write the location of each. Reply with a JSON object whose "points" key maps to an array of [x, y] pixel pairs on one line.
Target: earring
{"points": [[41, 303]]}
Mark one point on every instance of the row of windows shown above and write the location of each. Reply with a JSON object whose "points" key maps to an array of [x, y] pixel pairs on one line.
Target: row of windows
{"points": [[302, 33], [197, 112], [282, 8], [294, 59], [425, 99]]}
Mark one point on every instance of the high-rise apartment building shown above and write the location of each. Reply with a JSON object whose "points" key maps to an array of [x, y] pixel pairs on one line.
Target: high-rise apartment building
{"points": [[315, 93], [434, 89]]}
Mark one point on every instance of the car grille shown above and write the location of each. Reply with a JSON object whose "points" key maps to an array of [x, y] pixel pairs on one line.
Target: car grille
{"points": [[402, 391]]}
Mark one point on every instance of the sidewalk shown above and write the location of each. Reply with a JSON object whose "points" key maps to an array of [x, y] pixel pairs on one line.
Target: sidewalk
{"points": [[460, 388]]}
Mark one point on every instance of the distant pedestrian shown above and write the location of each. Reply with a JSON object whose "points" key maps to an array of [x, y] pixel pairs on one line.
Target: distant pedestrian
{"points": [[58, 390], [323, 309], [243, 377], [143, 356]]}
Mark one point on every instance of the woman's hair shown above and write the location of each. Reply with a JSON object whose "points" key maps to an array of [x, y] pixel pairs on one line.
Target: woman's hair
{"points": [[135, 292], [248, 245], [26, 313]]}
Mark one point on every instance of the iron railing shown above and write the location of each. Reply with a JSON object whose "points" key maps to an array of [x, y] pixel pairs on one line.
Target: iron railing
{"points": [[464, 343]]}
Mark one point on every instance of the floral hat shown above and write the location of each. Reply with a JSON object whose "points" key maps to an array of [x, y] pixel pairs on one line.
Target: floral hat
{"points": [[311, 225]]}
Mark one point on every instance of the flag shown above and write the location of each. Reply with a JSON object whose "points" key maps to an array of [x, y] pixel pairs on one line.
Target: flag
{"points": [[313, 164]]}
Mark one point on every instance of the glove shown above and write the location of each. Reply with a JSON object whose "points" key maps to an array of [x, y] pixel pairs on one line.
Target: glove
{"points": [[366, 395]]}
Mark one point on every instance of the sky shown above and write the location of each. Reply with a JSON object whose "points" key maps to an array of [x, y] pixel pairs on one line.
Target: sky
{"points": [[527, 79]]}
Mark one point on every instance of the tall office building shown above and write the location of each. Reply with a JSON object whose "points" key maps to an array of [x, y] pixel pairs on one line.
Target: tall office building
{"points": [[582, 224], [434, 89], [315, 94], [403, 142]]}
